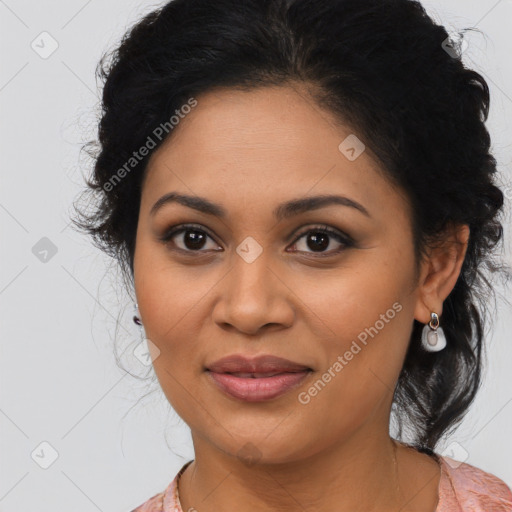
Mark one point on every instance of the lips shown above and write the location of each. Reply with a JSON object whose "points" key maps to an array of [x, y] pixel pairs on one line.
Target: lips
{"points": [[261, 366], [265, 377], [245, 375]]}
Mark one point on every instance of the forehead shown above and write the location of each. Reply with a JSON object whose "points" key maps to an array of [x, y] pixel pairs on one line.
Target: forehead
{"points": [[256, 145]]}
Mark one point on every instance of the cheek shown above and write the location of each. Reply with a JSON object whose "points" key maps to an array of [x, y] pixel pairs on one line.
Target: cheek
{"points": [[169, 301], [363, 320], [170, 295], [356, 303]]}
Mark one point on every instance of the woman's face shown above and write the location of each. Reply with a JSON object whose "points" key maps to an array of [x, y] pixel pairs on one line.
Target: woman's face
{"points": [[253, 283]]}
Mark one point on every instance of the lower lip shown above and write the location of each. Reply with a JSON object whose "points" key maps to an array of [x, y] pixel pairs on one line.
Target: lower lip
{"points": [[257, 389]]}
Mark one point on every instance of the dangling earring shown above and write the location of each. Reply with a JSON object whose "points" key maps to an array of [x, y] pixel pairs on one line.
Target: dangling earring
{"points": [[432, 336], [146, 351], [136, 315]]}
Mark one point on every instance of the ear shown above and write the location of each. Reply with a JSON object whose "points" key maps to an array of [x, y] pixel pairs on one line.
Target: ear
{"points": [[440, 271]]}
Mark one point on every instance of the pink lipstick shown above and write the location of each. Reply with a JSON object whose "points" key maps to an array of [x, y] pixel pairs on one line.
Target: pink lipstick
{"points": [[256, 379]]}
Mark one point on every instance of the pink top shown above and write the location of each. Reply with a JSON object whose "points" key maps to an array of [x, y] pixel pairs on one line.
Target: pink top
{"points": [[462, 488]]}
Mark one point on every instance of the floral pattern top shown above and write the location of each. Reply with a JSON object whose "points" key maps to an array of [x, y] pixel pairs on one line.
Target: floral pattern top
{"points": [[462, 488]]}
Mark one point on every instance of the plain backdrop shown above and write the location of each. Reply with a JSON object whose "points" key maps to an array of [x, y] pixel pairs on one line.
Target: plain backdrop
{"points": [[64, 402]]}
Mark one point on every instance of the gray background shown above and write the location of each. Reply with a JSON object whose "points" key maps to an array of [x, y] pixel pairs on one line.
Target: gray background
{"points": [[60, 383]]}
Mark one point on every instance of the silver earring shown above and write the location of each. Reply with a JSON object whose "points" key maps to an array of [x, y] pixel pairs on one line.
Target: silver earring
{"points": [[136, 316], [432, 336]]}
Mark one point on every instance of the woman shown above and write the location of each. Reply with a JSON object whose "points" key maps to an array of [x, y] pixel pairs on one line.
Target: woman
{"points": [[302, 195]]}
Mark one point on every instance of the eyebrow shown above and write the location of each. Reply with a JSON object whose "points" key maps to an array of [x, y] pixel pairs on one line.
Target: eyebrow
{"points": [[283, 211]]}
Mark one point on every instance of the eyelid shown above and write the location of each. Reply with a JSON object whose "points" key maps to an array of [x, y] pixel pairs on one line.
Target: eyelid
{"points": [[322, 228], [180, 228]]}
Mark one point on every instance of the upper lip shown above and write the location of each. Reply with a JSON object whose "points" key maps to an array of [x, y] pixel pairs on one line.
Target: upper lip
{"points": [[260, 364]]}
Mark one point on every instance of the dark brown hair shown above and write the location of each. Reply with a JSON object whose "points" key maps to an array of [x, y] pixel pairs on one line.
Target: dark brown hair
{"points": [[382, 67]]}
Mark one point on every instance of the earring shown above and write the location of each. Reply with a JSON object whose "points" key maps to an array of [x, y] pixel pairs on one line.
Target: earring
{"points": [[136, 316], [146, 351], [432, 336]]}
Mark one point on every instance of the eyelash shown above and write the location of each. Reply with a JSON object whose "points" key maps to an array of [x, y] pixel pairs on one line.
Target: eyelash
{"points": [[342, 238]]}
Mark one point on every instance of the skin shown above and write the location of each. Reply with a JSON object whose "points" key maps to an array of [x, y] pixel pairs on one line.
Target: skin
{"points": [[249, 151]]}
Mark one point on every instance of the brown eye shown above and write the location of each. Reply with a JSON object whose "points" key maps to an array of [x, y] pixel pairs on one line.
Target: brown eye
{"points": [[192, 239], [319, 239]]}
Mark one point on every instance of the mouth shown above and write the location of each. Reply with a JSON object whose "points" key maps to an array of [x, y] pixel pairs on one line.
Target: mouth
{"points": [[257, 386], [257, 367], [256, 379]]}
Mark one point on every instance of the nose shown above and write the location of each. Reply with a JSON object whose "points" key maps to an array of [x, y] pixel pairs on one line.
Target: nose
{"points": [[253, 296]]}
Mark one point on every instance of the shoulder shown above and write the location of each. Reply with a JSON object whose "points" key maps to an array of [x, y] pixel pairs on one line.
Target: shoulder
{"points": [[476, 489], [154, 504]]}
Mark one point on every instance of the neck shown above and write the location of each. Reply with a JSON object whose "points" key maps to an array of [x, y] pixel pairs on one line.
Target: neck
{"points": [[360, 474]]}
